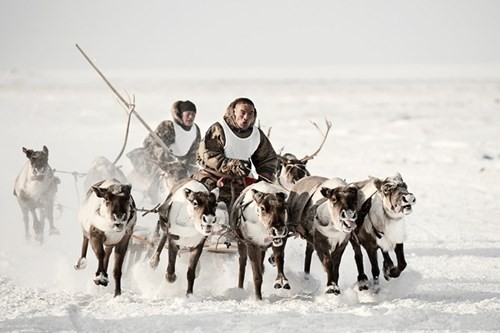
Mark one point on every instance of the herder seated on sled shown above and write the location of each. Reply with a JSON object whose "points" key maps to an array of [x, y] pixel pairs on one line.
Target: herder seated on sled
{"points": [[182, 136], [231, 149]]}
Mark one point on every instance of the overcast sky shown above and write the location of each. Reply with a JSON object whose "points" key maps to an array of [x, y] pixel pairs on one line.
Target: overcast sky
{"points": [[37, 34]]}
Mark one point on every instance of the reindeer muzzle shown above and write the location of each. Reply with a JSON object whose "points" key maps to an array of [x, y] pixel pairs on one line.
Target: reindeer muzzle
{"points": [[348, 220], [406, 204], [278, 236]]}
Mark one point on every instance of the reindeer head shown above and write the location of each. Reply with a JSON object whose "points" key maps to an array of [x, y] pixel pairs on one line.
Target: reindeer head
{"points": [[203, 205], [292, 168], [117, 204], [395, 196], [271, 208], [342, 206], [39, 161]]}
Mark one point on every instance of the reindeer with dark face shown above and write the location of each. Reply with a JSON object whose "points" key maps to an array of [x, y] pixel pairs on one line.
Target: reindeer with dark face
{"points": [[291, 169], [107, 217], [323, 212], [36, 188], [259, 221], [382, 206], [187, 218]]}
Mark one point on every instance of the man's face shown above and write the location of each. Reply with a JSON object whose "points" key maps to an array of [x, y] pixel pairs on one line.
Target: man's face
{"points": [[244, 115], [188, 118]]}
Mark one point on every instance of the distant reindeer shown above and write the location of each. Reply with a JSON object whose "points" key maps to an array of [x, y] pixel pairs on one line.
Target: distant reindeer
{"points": [[259, 221], [107, 217], [291, 169], [35, 189], [102, 169]]}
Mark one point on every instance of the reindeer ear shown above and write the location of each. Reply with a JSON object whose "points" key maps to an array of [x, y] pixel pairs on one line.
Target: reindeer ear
{"points": [[281, 195], [45, 149], [28, 152], [189, 194], [99, 192], [215, 192], [257, 196], [126, 189], [326, 192]]}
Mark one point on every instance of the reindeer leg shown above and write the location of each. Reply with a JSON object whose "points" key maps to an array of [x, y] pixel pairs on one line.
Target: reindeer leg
{"points": [[172, 257], [336, 259], [155, 259], [326, 260], [256, 260], [390, 271], [26, 220], [38, 225], [120, 252], [243, 254], [358, 258], [193, 262], [97, 245], [281, 280], [81, 263], [308, 257], [372, 256], [400, 256], [49, 215]]}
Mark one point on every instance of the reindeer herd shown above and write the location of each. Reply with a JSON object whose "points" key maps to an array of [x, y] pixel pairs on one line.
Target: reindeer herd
{"points": [[327, 213]]}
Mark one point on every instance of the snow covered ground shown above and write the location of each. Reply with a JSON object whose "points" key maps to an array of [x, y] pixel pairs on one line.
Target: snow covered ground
{"points": [[441, 135]]}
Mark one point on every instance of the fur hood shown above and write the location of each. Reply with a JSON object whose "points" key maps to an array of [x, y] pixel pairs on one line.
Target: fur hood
{"points": [[229, 117], [177, 114]]}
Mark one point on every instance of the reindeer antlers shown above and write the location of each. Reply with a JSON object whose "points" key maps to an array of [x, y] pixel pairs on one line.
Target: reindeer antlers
{"points": [[328, 126]]}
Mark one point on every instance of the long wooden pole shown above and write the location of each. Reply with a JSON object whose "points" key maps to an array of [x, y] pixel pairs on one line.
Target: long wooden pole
{"points": [[125, 104]]}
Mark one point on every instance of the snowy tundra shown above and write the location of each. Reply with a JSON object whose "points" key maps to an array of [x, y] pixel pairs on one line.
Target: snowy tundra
{"points": [[442, 136]]}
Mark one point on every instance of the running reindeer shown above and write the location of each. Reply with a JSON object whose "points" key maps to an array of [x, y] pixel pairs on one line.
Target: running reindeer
{"points": [[187, 218], [382, 206], [35, 189], [323, 212], [291, 169], [107, 217], [259, 221]]}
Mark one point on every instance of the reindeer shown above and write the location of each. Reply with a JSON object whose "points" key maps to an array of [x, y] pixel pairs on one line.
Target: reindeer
{"points": [[291, 169], [187, 218], [35, 188], [323, 212], [102, 169], [259, 221], [107, 217], [382, 206]]}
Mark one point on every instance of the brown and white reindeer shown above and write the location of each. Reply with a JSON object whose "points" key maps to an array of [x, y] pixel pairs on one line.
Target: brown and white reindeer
{"points": [[107, 217], [187, 218], [323, 212], [259, 221], [382, 205], [291, 169], [35, 188]]}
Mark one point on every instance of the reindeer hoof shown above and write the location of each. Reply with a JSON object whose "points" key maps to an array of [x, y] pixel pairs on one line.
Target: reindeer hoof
{"points": [[102, 280], [363, 282], [281, 283], [333, 289], [81, 264], [391, 272], [154, 261], [118, 293], [171, 277]]}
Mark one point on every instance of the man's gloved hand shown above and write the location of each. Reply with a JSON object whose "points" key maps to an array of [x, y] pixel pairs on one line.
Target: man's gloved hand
{"points": [[237, 167]]}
